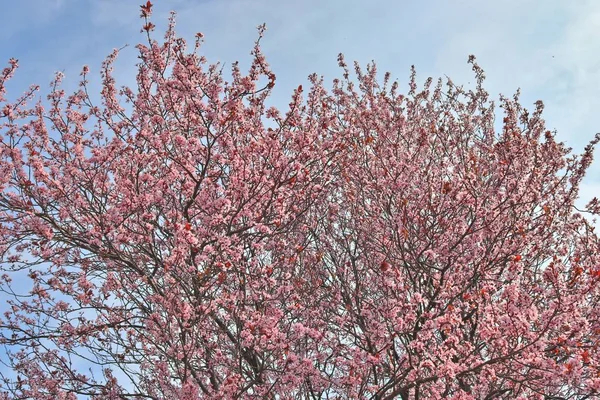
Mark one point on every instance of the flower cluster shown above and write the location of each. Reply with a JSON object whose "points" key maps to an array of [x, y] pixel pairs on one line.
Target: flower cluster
{"points": [[363, 243]]}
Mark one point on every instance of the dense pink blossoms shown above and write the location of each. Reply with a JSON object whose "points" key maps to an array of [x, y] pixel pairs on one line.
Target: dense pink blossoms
{"points": [[185, 241]]}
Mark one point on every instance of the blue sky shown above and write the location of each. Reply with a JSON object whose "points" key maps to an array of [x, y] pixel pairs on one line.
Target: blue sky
{"points": [[548, 48]]}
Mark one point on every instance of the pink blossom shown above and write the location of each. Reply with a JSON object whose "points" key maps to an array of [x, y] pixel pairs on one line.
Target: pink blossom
{"points": [[361, 243]]}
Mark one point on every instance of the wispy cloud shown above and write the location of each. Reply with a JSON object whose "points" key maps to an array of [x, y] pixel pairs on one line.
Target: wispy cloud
{"points": [[547, 48]]}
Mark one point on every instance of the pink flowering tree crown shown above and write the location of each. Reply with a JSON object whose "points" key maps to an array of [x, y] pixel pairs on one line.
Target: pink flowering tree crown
{"points": [[182, 240]]}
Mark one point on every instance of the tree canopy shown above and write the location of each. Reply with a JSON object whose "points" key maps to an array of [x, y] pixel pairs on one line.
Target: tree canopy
{"points": [[183, 240]]}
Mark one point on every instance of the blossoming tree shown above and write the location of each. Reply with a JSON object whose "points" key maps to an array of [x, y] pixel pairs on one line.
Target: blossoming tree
{"points": [[183, 240]]}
